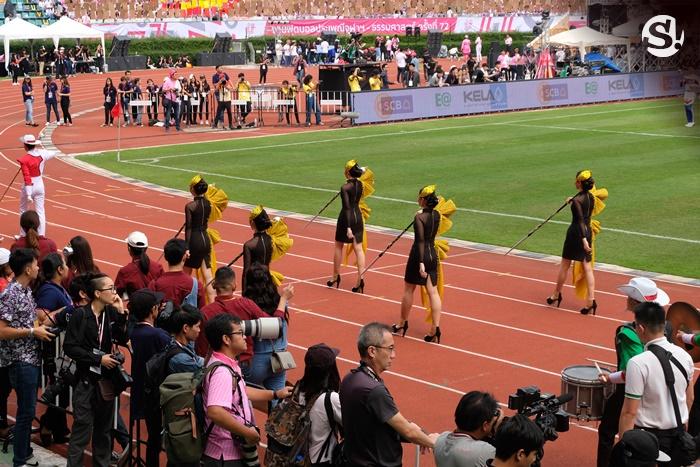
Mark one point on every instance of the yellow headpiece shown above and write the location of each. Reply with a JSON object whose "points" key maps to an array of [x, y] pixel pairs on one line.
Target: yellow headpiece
{"points": [[257, 210], [196, 179], [350, 164], [427, 191], [584, 175]]}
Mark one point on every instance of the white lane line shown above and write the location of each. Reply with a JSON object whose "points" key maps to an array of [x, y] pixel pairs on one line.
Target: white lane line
{"points": [[600, 130], [403, 201]]}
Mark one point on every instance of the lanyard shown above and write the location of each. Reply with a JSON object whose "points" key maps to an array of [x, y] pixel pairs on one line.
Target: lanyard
{"points": [[100, 328]]}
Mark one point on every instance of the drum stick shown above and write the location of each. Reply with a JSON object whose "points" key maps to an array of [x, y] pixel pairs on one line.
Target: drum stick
{"points": [[600, 372], [599, 361]]}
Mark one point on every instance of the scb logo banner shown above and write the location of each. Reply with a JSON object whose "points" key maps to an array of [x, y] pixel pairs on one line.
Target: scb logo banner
{"points": [[660, 38]]}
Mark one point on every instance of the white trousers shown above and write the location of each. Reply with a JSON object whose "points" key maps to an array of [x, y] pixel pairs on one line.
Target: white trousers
{"points": [[38, 196]]}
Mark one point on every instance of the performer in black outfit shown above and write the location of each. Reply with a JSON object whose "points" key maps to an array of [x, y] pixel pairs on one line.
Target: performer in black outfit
{"points": [[578, 242], [259, 248], [197, 214], [422, 265], [350, 226]]}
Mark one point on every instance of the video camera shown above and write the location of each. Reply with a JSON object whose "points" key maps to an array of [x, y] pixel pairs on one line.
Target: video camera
{"points": [[549, 417]]}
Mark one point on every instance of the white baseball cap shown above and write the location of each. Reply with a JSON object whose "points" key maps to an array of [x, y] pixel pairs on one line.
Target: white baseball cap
{"points": [[137, 239], [30, 140], [642, 289], [4, 256]]}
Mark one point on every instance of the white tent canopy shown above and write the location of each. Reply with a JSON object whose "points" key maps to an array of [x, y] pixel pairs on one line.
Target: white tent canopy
{"points": [[18, 29], [587, 37], [66, 28]]}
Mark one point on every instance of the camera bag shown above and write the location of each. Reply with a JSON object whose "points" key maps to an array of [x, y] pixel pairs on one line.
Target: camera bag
{"points": [[684, 450]]}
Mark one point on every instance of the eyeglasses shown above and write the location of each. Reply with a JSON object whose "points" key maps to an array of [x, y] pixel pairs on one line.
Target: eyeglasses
{"points": [[108, 289], [391, 348], [235, 332]]}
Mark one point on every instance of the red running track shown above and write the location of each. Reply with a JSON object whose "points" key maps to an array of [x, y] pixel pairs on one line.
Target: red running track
{"points": [[497, 333]]}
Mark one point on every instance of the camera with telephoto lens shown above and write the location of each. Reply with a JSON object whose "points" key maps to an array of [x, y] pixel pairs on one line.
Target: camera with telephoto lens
{"points": [[119, 376], [64, 378], [549, 417], [262, 328]]}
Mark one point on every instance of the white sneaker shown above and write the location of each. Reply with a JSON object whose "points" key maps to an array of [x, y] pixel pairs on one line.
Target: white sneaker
{"points": [[690, 124]]}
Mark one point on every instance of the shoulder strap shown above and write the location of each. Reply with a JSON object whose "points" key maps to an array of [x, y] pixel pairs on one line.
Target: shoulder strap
{"points": [[83, 326], [665, 358], [331, 421]]}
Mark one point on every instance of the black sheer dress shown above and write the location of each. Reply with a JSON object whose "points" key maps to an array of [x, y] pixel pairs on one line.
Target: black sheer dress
{"points": [[425, 228], [350, 214], [256, 250], [196, 221], [581, 210]]}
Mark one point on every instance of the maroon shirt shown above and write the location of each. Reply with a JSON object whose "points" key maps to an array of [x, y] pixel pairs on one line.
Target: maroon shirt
{"points": [[176, 286], [46, 246], [130, 278], [240, 307]]}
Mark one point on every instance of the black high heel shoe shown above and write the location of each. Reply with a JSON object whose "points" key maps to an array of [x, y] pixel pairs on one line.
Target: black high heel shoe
{"points": [[360, 288], [434, 337], [335, 281], [551, 300], [592, 308], [395, 328]]}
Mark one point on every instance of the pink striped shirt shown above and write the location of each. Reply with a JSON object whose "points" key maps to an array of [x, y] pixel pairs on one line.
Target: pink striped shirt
{"points": [[219, 391]]}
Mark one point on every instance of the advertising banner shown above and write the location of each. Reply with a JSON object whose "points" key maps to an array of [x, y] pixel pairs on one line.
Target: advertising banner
{"points": [[237, 29], [405, 104]]}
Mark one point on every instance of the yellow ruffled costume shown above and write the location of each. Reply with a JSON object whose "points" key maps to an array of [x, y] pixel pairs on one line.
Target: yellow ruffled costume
{"points": [[578, 275], [281, 243], [367, 180], [445, 208], [219, 202]]}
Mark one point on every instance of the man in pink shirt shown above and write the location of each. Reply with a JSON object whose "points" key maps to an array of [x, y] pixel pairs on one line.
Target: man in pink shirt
{"points": [[227, 399], [466, 47]]}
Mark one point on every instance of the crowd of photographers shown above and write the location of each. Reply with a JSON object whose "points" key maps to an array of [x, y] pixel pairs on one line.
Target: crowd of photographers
{"points": [[63, 323]]}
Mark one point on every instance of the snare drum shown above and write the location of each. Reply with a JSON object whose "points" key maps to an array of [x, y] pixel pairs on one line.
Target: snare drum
{"points": [[589, 394]]}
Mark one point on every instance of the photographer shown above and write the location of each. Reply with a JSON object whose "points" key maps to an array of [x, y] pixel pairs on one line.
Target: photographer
{"points": [[412, 78], [223, 103], [19, 347], [518, 443], [89, 338], [354, 80], [243, 89], [171, 102], [477, 416]]}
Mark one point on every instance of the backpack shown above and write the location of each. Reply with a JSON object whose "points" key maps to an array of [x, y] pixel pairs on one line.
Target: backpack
{"points": [[156, 372], [191, 298], [338, 458], [182, 404], [288, 428]]}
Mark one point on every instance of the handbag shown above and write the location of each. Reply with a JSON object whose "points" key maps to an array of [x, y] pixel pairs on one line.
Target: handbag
{"points": [[685, 449], [282, 360], [105, 388]]}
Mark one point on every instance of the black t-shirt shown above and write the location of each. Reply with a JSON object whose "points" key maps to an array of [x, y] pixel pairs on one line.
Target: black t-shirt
{"points": [[366, 406]]}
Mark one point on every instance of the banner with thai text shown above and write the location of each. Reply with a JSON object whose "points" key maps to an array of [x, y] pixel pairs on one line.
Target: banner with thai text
{"points": [[186, 29]]}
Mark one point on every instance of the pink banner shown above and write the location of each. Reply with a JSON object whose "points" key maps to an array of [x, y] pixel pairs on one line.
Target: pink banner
{"points": [[388, 26]]}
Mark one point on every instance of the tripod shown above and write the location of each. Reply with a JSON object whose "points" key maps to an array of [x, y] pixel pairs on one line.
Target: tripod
{"points": [[134, 456]]}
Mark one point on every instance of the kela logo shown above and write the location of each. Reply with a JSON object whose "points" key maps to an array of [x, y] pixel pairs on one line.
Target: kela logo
{"points": [[660, 38], [634, 85], [443, 99], [495, 96], [392, 104]]}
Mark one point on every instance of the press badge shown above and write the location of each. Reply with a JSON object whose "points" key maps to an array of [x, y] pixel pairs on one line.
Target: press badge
{"points": [[50, 95], [410, 83], [97, 369]]}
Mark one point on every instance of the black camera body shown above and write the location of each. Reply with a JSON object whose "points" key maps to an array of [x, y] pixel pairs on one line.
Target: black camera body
{"points": [[65, 377], [549, 417]]}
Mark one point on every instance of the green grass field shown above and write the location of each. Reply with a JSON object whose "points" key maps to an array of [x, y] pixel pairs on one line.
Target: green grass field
{"points": [[503, 171]]}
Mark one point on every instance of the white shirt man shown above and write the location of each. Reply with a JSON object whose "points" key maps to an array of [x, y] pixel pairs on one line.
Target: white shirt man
{"points": [[324, 46], [400, 59]]}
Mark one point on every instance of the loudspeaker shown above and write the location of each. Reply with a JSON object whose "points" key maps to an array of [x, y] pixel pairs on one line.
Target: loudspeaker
{"points": [[434, 42], [409, 31], [494, 52], [120, 46], [416, 31], [329, 36], [222, 42]]}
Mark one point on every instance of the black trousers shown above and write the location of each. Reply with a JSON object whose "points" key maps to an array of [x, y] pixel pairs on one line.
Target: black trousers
{"points": [[5, 389], [609, 425], [204, 102], [221, 107], [244, 110], [65, 106], [108, 113], [694, 416]]}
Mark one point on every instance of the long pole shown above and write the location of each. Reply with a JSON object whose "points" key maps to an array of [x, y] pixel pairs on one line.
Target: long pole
{"points": [[119, 138], [9, 185], [387, 248], [228, 266], [322, 209], [176, 235], [529, 234]]}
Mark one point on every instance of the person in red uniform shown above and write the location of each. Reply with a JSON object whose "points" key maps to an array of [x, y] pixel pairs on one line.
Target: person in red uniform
{"points": [[29, 222], [174, 283], [32, 166], [241, 307], [141, 270]]}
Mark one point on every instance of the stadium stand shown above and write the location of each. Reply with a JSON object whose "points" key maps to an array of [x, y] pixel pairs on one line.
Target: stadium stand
{"points": [[34, 11]]}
